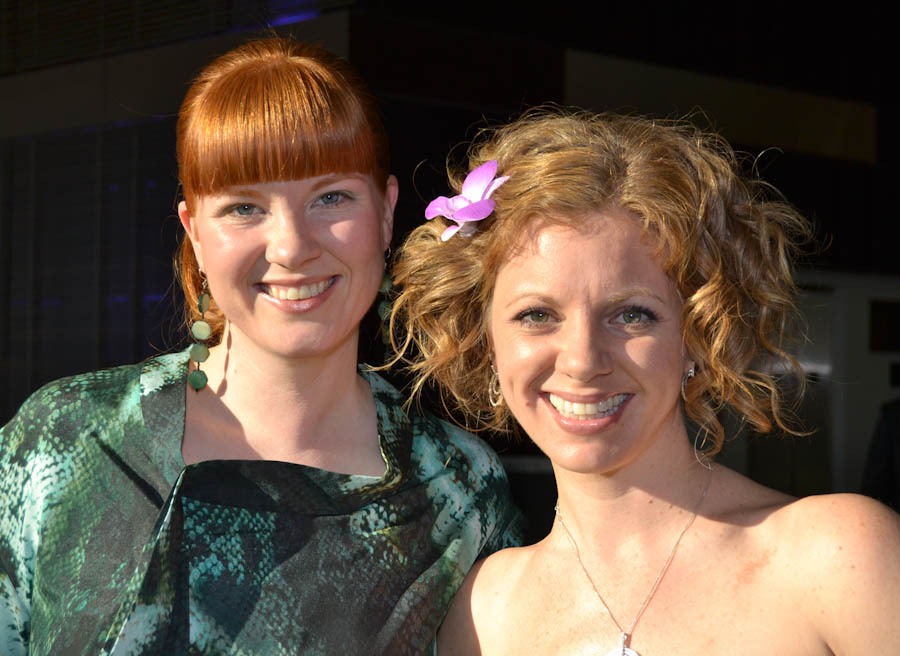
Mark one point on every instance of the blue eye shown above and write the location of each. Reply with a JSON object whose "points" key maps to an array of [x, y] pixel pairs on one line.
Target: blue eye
{"points": [[332, 197], [244, 209]]}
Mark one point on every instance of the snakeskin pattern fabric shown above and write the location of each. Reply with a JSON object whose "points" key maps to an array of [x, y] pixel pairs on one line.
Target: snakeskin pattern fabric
{"points": [[109, 544]]}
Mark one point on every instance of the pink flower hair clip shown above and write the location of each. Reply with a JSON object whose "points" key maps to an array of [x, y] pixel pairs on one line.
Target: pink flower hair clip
{"points": [[473, 204]]}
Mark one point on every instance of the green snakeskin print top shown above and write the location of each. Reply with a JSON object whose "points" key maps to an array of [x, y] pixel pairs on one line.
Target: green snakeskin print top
{"points": [[109, 544]]}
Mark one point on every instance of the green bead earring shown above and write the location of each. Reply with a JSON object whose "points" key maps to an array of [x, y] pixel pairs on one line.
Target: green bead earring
{"points": [[200, 330], [385, 305]]}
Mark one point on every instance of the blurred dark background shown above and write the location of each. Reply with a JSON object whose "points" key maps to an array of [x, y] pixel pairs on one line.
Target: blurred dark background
{"points": [[88, 183]]}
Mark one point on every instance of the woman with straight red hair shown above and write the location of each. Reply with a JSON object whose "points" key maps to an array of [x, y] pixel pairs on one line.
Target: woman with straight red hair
{"points": [[260, 492]]}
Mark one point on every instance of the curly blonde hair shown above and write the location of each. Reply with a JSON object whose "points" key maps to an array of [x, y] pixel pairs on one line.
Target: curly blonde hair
{"points": [[269, 110], [727, 242]]}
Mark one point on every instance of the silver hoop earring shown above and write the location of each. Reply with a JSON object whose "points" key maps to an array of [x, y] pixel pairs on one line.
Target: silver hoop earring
{"points": [[495, 394], [690, 373]]}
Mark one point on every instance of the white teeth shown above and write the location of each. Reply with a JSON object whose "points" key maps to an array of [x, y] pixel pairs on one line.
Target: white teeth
{"points": [[298, 293], [587, 410]]}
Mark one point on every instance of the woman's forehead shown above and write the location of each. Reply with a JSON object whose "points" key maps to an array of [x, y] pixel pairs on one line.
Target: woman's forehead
{"points": [[606, 249], [540, 232]]}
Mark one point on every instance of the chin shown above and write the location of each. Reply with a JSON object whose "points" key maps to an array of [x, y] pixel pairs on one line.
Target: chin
{"points": [[597, 452], [582, 462], [303, 347]]}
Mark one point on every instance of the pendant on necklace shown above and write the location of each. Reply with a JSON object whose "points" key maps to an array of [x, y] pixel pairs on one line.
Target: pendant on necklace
{"points": [[622, 651]]}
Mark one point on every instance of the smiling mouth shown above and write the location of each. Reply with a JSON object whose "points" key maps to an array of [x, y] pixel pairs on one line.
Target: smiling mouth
{"points": [[299, 292], [587, 410]]}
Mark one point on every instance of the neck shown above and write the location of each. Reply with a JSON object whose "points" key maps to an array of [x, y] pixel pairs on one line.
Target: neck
{"points": [[625, 627], [640, 503], [304, 409]]}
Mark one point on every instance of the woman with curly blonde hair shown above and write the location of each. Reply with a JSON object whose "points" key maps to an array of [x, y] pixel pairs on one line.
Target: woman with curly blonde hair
{"points": [[619, 276]]}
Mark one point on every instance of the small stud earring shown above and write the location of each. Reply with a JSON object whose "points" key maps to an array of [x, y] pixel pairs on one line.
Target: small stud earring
{"points": [[690, 373]]}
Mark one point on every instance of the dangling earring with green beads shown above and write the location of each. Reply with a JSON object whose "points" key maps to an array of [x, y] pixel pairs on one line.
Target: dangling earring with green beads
{"points": [[201, 331], [385, 305]]}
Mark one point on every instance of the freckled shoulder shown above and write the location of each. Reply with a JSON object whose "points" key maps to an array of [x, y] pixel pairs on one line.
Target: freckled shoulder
{"points": [[480, 609], [498, 575], [843, 553]]}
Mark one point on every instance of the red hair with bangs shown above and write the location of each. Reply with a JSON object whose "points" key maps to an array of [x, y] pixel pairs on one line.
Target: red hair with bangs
{"points": [[271, 110]]}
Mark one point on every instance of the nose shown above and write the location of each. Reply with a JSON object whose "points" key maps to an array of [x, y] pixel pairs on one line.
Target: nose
{"points": [[290, 240], [584, 350]]}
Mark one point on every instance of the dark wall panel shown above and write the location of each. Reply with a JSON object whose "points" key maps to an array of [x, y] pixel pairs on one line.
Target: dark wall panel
{"points": [[87, 231]]}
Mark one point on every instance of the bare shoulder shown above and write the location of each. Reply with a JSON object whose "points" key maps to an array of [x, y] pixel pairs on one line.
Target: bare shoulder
{"points": [[833, 539], [485, 593], [828, 512], [832, 562], [843, 530], [502, 569], [843, 551], [742, 500]]}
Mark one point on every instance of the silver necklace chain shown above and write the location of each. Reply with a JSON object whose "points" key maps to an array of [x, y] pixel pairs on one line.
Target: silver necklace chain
{"points": [[626, 635]]}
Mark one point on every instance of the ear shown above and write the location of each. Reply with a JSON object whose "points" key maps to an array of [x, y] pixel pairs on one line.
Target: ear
{"points": [[190, 227], [688, 364], [391, 191], [489, 343], [688, 361]]}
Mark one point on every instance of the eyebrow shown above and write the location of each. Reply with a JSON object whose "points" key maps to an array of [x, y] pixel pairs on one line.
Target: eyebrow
{"points": [[233, 192], [326, 180], [631, 292], [331, 178], [614, 299], [540, 298]]}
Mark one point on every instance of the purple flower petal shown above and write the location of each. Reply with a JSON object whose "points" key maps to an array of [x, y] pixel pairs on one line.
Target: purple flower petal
{"points": [[473, 204], [459, 202], [475, 212], [476, 183], [494, 185], [440, 206], [449, 232]]}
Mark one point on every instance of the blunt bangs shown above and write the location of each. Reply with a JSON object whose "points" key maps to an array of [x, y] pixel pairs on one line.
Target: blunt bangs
{"points": [[278, 122]]}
